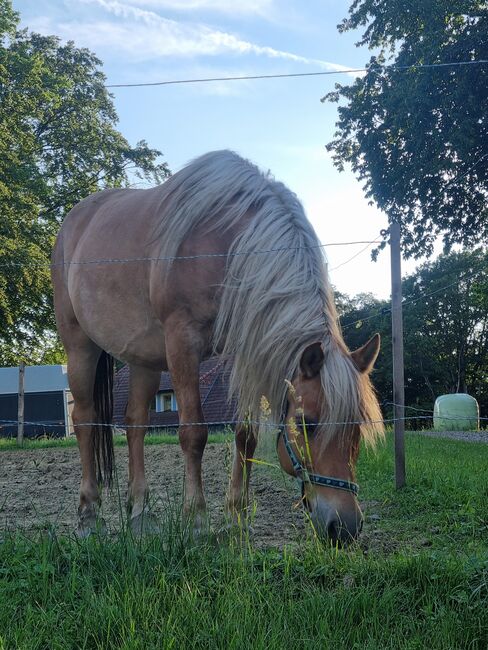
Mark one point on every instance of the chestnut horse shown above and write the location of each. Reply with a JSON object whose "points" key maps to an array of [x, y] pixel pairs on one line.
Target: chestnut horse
{"points": [[220, 258]]}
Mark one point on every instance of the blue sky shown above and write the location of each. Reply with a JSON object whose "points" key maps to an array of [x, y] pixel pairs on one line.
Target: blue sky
{"points": [[280, 124]]}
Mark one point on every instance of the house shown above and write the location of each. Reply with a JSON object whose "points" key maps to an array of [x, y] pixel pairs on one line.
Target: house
{"points": [[47, 401], [214, 386]]}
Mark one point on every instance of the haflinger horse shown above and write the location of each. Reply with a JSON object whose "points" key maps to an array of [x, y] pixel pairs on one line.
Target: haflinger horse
{"points": [[220, 258]]}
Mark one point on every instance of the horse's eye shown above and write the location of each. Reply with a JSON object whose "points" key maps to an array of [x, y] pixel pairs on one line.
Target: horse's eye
{"points": [[310, 426]]}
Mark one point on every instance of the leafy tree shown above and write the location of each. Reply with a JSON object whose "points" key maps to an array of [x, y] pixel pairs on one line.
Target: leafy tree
{"points": [[58, 143], [418, 138], [445, 318], [446, 328], [361, 317]]}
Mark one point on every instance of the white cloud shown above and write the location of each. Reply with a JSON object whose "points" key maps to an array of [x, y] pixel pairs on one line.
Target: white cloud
{"points": [[258, 7], [145, 34]]}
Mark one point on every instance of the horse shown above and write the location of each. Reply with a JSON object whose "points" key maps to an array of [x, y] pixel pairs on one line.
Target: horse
{"points": [[220, 258]]}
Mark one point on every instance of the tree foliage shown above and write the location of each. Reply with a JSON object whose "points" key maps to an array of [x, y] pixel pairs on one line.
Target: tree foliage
{"points": [[418, 138], [446, 324], [58, 143], [445, 316]]}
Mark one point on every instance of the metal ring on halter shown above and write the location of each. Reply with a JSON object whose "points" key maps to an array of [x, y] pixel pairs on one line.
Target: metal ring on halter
{"points": [[305, 476]]}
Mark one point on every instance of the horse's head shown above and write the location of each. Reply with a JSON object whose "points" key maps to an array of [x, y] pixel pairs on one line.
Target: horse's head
{"points": [[325, 461]]}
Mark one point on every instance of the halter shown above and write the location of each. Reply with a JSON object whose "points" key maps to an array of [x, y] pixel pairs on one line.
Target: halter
{"points": [[305, 477]]}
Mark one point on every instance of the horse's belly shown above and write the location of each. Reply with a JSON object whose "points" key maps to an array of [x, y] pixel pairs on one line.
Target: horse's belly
{"points": [[115, 312]]}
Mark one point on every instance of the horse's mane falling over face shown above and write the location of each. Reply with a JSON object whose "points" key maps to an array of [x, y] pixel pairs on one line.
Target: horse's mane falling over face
{"points": [[276, 298]]}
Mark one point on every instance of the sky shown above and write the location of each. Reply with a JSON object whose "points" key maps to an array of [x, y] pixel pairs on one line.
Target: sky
{"points": [[279, 124]]}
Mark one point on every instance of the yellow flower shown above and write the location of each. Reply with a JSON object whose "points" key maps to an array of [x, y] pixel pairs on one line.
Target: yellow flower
{"points": [[291, 389], [264, 406]]}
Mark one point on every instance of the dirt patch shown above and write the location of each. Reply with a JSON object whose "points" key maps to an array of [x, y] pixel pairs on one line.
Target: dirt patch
{"points": [[466, 436], [39, 488]]}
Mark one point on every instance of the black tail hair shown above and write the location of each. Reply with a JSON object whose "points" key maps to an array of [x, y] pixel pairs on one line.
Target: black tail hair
{"points": [[102, 431]]}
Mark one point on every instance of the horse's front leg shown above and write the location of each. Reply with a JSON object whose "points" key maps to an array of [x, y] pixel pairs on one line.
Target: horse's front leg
{"points": [[184, 365], [143, 385], [238, 494]]}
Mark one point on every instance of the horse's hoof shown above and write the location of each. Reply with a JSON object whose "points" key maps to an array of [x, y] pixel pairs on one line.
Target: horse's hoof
{"points": [[197, 527], [91, 526], [145, 523]]}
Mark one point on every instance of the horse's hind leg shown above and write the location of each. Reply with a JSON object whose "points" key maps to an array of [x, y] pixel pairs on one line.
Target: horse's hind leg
{"points": [[238, 494], [143, 386], [83, 357]]}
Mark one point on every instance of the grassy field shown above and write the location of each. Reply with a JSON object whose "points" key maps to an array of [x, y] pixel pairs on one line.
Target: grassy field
{"points": [[157, 438], [419, 578]]}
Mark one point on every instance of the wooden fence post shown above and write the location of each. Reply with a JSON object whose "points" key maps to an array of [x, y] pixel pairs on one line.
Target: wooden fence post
{"points": [[397, 345], [20, 407]]}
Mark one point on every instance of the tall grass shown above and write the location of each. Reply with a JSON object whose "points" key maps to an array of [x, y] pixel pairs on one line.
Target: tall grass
{"points": [[163, 593], [424, 586]]}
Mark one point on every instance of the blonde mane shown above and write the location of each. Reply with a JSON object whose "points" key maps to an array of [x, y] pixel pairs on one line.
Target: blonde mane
{"points": [[274, 303]]}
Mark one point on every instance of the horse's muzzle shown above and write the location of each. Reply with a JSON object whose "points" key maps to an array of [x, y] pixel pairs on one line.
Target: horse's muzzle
{"points": [[337, 528]]}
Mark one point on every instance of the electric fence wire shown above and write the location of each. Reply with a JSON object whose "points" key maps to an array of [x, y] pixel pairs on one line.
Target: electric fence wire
{"points": [[413, 300], [258, 423], [180, 257], [360, 252], [319, 73]]}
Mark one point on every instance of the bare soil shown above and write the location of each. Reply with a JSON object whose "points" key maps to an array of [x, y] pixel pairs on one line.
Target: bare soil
{"points": [[39, 489]]}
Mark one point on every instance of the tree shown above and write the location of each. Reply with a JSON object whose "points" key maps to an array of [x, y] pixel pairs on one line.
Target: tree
{"points": [[58, 143], [445, 317], [446, 328], [418, 138], [361, 317]]}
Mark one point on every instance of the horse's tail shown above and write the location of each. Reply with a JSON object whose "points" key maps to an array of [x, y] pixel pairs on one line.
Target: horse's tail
{"points": [[102, 430]]}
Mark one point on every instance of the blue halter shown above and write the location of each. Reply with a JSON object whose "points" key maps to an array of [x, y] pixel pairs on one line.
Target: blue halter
{"points": [[305, 477]]}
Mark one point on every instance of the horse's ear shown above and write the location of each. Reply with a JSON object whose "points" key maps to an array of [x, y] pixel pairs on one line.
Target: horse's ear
{"points": [[312, 360], [365, 356]]}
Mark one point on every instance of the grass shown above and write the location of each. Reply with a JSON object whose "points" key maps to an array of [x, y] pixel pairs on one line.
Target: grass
{"points": [[419, 580], [445, 502], [61, 594], [157, 438]]}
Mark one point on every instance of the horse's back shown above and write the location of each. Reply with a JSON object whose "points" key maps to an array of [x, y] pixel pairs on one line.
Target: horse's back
{"points": [[114, 210], [101, 273]]}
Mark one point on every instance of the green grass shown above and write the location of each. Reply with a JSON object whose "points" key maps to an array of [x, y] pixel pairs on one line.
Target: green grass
{"points": [[10, 444], [445, 502], [163, 594], [419, 580]]}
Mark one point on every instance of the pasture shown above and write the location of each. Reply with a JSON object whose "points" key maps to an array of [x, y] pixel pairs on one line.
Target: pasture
{"points": [[417, 578]]}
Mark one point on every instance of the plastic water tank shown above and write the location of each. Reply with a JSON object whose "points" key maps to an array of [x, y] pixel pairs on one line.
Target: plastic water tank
{"points": [[456, 412]]}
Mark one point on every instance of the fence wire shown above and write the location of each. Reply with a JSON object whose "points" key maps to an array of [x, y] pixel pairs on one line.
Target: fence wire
{"points": [[412, 300], [377, 69], [258, 423], [175, 258]]}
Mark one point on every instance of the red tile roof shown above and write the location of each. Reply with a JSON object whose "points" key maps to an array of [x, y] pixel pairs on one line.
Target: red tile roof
{"points": [[214, 385]]}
